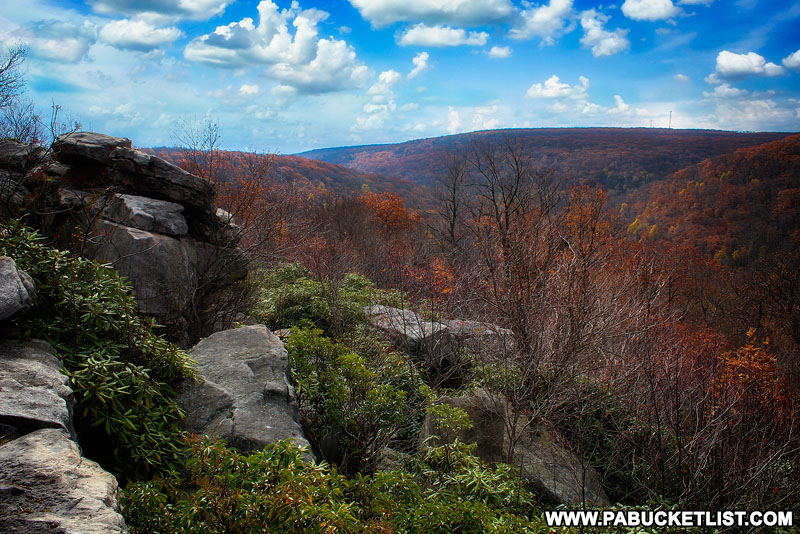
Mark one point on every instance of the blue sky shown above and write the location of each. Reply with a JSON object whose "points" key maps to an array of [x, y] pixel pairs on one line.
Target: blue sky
{"points": [[290, 76]]}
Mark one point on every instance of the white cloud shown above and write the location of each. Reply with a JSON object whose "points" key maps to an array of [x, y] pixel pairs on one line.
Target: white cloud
{"points": [[411, 106], [424, 35], [301, 60], [463, 12], [247, 89], [681, 78], [601, 41], [650, 9], [725, 91], [735, 66], [554, 88], [621, 107], [163, 9], [548, 22], [420, 62], [56, 40], [454, 125], [792, 61], [137, 35], [695, 2], [386, 80], [334, 68], [499, 52], [381, 105], [483, 117]]}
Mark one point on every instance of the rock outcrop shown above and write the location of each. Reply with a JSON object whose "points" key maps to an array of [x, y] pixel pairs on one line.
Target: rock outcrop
{"points": [[243, 393], [556, 472], [155, 223], [45, 483], [16, 288], [34, 393], [440, 345], [47, 486]]}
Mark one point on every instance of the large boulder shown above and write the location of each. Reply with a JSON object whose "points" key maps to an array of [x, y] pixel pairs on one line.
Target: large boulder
{"points": [[47, 486], [18, 157], [33, 392], [556, 471], [147, 214], [157, 266], [154, 177], [16, 288], [88, 145], [548, 465], [243, 395]]}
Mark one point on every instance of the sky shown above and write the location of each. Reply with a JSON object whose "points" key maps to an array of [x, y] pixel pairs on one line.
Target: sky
{"points": [[287, 76]]}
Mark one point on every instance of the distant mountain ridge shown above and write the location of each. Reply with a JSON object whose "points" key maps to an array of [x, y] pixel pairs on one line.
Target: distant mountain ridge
{"points": [[616, 158], [316, 174]]}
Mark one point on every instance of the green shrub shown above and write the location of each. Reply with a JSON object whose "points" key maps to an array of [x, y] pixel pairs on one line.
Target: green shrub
{"points": [[276, 491], [345, 400], [290, 295], [120, 371]]}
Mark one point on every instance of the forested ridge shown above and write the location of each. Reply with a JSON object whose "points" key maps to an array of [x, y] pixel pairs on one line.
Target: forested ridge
{"points": [[524, 321]]}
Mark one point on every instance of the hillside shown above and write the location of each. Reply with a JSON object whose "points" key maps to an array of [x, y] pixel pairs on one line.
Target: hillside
{"points": [[619, 159], [736, 207], [314, 174]]}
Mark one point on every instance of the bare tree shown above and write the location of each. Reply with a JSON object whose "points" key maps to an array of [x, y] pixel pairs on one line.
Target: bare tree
{"points": [[12, 79]]}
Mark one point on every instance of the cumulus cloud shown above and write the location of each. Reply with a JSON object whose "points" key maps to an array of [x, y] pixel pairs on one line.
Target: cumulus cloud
{"points": [[56, 40], [792, 61], [420, 62], [548, 22], [383, 86], [248, 89], [738, 109], [424, 35], [556, 89], [681, 78], [499, 52], [137, 35], [601, 41], [302, 60], [725, 91], [381, 104], [454, 125], [333, 68], [457, 12], [736, 66], [483, 117], [163, 9], [650, 9]]}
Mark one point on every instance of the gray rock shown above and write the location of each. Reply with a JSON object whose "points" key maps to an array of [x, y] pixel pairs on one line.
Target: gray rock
{"points": [[154, 177], [425, 339], [244, 397], [16, 156], [549, 466], [147, 214], [16, 288], [13, 194], [46, 486], [488, 431], [33, 392], [561, 474], [88, 145], [157, 266]]}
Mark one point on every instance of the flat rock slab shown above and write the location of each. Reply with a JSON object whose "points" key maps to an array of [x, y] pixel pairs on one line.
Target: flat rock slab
{"points": [[244, 396], [33, 392], [47, 487], [16, 288], [90, 145], [147, 214]]}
